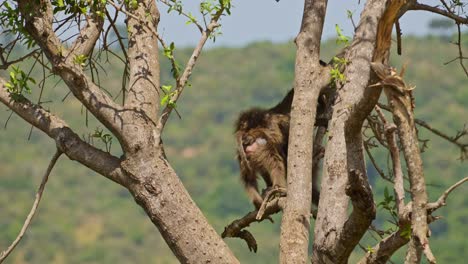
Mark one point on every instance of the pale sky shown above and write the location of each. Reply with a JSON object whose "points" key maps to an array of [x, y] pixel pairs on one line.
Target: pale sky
{"points": [[268, 20]]}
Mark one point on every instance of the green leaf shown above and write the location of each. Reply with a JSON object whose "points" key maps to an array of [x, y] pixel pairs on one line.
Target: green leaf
{"points": [[166, 88], [164, 99], [406, 231], [134, 4]]}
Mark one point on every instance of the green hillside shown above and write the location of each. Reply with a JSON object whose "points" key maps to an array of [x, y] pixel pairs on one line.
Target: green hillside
{"points": [[84, 218]]}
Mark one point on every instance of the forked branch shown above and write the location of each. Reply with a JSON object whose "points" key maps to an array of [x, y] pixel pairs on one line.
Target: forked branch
{"points": [[38, 18], [236, 228]]}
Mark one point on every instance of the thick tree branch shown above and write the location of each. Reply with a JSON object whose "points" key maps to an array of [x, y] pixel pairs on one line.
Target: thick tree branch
{"points": [[33, 210], [39, 17], [310, 79], [143, 59], [67, 141], [85, 42], [360, 192], [344, 149]]}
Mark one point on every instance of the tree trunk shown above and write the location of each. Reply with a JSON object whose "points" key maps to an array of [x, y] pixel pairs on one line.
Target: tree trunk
{"points": [[334, 240], [310, 78], [156, 187]]}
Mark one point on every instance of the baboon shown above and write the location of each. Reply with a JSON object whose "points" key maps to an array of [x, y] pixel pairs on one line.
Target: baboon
{"points": [[262, 147]]}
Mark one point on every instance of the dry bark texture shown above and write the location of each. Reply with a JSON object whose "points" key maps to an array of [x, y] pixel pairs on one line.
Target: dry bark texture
{"points": [[333, 241], [310, 78]]}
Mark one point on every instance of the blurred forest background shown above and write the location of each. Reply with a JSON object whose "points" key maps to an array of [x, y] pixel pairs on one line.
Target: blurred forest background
{"points": [[84, 218]]}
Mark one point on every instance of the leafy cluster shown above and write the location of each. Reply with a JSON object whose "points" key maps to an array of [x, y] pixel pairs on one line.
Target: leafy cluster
{"points": [[11, 20], [339, 63], [79, 7], [19, 83]]}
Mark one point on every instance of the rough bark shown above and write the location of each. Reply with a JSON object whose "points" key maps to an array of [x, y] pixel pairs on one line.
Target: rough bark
{"points": [[310, 78], [143, 90], [332, 243], [160, 192], [401, 106], [143, 169]]}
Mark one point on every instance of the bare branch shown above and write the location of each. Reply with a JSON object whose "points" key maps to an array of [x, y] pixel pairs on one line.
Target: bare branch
{"points": [[442, 199], [236, 228], [398, 36], [67, 141], [414, 251], [460, 52], [31, 214], [382, 252], [455, 140], [360, 192], [5, 64], [433, 9]]}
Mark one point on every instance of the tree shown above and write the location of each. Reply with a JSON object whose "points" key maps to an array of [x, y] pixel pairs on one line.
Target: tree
{"points": [[358, 75]]}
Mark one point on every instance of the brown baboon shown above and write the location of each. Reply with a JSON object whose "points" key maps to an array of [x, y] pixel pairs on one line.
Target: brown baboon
{"points": [[262, 148]]}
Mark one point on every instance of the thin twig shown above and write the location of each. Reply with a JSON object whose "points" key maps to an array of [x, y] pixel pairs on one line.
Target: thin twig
{"points": [[454, 140], [442, 199], [460, 52], [5, 64], [182, 80], [398, 36], [181, 12], [31, 214], [433, 9]]}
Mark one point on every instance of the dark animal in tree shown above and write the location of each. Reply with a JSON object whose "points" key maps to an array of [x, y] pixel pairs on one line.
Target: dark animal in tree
{"points": [[262, 148]]}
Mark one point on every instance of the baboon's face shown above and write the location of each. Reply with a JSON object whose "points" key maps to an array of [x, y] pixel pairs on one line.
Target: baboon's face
{"points": [[253, 141]]}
